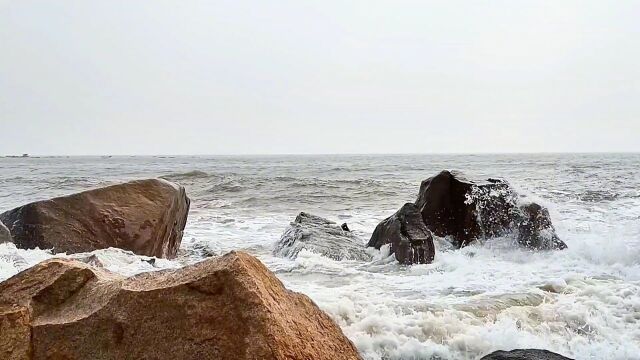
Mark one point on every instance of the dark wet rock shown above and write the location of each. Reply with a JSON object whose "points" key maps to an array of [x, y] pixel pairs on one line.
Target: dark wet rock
{"points": [[146, 217], [524, 354], [535, 229], [321, 236], [230, 307], [452, 205], [345, 227], [408, 236], [466, 210], [5, 234]]}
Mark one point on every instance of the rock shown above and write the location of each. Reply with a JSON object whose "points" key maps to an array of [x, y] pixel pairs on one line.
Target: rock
{"points": [[144, 216], [411, 241], [466, 210], [5, 234], [231, 307], [452, 205], [320, 236], [345, 227], [535, 229], [14, 333], [524, 354]]}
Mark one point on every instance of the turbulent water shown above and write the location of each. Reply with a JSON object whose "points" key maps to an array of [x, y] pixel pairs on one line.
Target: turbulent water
{"points": [[583, 302]]}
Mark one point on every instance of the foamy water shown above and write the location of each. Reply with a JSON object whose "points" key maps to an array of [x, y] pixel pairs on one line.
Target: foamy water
{"points": [[583, 302]]}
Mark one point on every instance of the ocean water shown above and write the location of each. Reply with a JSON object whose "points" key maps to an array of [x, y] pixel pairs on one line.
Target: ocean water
{"points": [[583, 302]]}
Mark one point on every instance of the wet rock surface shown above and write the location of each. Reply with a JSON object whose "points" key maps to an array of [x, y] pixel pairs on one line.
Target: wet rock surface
{"points": [[5, 234], [145, 216], [466, 210], [524, 354], [321, 236], [231, 307], [535, 229], [410, 240]]}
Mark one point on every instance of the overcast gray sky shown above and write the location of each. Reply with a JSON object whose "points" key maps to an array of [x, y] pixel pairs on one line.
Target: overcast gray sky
{"points": [[249, 77]]}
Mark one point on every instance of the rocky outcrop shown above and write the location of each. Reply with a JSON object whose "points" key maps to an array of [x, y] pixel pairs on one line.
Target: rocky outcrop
{"points": [[524, 354], [452, 205], [231, 307], [321, 236], [535, 229], [408, 236], [145, 216], [466, 210], [5, 235]]}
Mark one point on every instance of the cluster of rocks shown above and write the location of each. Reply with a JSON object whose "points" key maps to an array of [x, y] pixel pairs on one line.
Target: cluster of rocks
{"points": [[226, 307], [449, 206]]}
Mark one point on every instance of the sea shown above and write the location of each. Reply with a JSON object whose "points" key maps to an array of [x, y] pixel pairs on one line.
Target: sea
{"points": [[582, 302]]}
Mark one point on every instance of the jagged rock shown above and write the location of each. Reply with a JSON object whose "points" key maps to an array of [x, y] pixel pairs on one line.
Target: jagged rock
{"points": [[345, 227], [320, 236], [231, 307], [535, 229], [466, 210], [452, 205], [144, 216], [524, 354], [411, 241], [5, 234]]}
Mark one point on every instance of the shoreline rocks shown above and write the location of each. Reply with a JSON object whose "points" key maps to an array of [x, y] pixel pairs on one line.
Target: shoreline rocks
{"points": [[321, 236], [410, 240], [467, 210], [451, 205], [144, 216], [231, 307], [524, 354]]}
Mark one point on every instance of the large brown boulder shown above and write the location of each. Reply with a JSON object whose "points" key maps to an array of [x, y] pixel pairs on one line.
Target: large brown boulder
{"points": [[231, 307], [144, 216], [409, 238], [466, 210]]}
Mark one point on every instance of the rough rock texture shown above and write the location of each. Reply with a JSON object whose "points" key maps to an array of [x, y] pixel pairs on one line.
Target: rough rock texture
{"points": [[5, 235], [450, 203], [231, 307], [411, 241], [466, 210], [145, 216], [524, 354], [535, 229], [321, 236]]}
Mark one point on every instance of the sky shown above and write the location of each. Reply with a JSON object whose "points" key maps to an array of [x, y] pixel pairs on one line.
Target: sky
{"points": [[127, 77]]}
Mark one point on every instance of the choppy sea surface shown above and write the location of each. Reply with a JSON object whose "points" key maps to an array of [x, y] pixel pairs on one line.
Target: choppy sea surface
{"points": [[583, 302]]}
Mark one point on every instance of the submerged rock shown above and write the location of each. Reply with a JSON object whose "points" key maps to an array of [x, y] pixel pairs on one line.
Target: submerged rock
{"points": [[5, 234], [321, 236], [524, 354], [466, 210], [411, 241], [231, 307], [144, 216], [535, 229]]}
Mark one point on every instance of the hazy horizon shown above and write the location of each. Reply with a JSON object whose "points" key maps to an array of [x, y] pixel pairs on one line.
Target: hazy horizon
{"points": [[252, 78]]}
